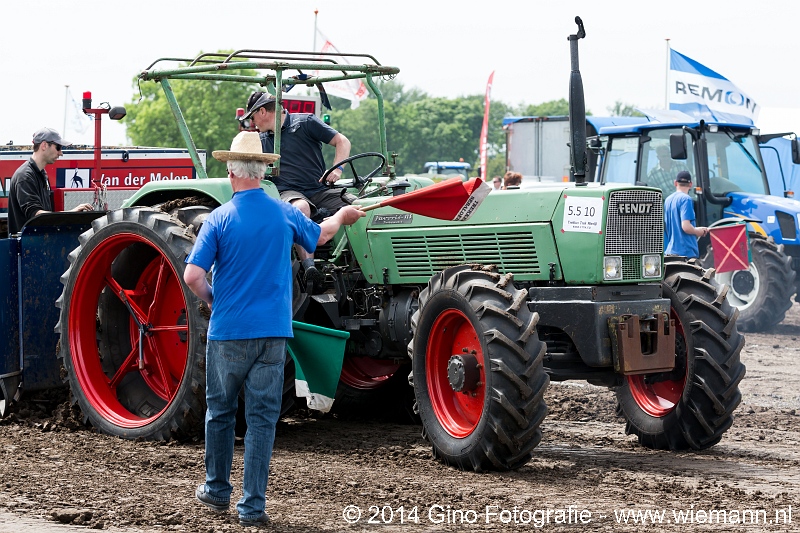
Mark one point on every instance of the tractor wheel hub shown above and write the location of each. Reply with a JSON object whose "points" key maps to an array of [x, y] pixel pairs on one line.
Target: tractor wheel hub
{"points": [[743, 282], [463, 372]]}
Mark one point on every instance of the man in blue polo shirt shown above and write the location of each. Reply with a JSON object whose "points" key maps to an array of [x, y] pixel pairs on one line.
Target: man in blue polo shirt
{"points": [[302, 164], [680, 234], [248, 241]]}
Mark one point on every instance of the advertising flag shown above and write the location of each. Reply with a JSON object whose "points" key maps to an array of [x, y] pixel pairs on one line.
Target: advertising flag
{"points": [[485, 127], [76, 122], [702, 93], [353, 90]]}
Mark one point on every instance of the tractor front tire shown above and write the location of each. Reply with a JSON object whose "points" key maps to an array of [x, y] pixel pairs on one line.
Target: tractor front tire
{"points": [[477, 369], [763, 293], [692, 406]]}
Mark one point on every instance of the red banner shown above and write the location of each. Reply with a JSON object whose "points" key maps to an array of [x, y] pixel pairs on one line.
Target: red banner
{"points": [[485, 127]]}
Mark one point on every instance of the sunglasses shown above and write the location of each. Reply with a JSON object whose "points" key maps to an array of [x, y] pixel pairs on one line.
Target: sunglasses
{"points": [[58, 147]]}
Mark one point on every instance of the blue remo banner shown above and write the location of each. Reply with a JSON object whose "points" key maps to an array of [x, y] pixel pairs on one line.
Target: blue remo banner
{"points": [[702, 93]]}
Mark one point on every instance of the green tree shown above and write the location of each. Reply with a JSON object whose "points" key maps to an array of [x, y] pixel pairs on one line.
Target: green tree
{"points": [[209, 109], [551, 108], [419, 128], [620, 109]]}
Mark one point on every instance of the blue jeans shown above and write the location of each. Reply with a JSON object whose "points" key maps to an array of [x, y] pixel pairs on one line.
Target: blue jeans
{"points": [[256, 364]]}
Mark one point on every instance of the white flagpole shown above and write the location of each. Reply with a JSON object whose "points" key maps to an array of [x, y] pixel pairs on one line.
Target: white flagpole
{"points": [[66, 103], [314, 49], [666, 79]]}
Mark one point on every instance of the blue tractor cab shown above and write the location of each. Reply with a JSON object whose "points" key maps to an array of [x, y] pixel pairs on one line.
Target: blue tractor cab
{"points": [[725, 161]]}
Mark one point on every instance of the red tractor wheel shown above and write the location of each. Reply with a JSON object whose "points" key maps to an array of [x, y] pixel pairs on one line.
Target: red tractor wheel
{"points": [[367, 373], [477, 369], [458, 414], [132, 335], [692, 406], [659, 397]]}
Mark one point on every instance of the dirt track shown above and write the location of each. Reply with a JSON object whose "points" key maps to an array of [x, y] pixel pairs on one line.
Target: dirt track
{"points": [[52, 470]]}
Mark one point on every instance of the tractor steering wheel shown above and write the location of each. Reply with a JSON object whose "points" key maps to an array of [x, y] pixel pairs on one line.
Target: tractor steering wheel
{"points": [[358, 181]]}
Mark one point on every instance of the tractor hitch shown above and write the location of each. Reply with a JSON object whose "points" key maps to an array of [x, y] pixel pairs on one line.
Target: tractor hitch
{"points": [[642, 345]]}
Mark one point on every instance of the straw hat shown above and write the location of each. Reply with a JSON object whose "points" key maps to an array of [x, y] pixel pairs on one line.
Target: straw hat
{"points": [[246, 146]]}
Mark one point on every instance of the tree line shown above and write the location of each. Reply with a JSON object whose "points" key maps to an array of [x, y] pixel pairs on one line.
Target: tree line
{"points": [[419, 127]]}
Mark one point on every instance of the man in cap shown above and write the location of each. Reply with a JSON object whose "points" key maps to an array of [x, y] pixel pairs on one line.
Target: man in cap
{"points": [[302, 164], [663, 174], [29, 193], [250, 321], [680, 234]]}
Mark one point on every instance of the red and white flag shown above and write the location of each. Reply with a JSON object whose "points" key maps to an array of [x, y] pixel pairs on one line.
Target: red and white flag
{"points": [[451, 199], [353, 90], [485, 127]]}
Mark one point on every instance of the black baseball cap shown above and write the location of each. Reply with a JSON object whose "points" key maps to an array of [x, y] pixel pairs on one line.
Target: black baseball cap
{"points": [[683, 177], [256, 101]]}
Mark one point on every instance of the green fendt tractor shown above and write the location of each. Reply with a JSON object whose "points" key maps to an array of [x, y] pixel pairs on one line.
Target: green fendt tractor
{"points": [[555, 283]]}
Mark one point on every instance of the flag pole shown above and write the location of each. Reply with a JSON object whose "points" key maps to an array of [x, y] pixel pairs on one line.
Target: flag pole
{"points": [[66, 103], [666, 79], [485, 128], [314, 48]]}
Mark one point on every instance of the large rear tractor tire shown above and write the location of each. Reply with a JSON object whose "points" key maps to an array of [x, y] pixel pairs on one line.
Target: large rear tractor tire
{"points": [[762, 293], [133, 335], [477, 369], [692, 406]]}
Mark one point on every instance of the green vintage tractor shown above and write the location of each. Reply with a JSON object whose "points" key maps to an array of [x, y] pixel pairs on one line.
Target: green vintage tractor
{"points": [[475, 317]]}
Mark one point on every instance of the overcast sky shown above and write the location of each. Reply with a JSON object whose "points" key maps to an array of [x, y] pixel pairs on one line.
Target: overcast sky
{"points": [[446, 48]]}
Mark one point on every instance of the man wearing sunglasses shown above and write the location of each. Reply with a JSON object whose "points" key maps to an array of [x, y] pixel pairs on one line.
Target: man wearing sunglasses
{"points": [[29, 193], [302, 165]]}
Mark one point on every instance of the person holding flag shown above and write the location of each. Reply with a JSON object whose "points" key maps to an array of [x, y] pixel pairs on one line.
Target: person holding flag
{"points": [[245, 351], [680, 233]]}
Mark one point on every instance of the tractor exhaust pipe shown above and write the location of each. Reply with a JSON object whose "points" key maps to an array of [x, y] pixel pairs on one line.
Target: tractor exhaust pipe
{"points": [[577, 111]]}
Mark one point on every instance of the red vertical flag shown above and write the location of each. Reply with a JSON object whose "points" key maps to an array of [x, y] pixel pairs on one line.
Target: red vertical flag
{"points": [[485, 127]]}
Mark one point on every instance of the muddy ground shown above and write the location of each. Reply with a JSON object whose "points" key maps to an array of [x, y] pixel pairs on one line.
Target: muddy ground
{"points": [[586, 471]]}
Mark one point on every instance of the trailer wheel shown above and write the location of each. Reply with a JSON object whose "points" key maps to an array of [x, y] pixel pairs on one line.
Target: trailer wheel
{"points": [[133, 335], [692, 406], [477, 369], [763, 293]]}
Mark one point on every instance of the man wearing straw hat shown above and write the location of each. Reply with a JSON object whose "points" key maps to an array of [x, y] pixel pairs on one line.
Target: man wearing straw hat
{"points": [[248, 241]]}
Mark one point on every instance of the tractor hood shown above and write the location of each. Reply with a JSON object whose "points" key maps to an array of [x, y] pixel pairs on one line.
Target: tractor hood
{"points": [[778, 216]]}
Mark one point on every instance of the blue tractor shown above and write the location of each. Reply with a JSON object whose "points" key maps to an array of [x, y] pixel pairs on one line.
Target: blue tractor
{"points": [[726, 164]]}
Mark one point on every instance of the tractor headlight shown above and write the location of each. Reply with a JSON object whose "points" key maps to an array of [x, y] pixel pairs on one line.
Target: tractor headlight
{"points": [[651, 266], [612, 267]]}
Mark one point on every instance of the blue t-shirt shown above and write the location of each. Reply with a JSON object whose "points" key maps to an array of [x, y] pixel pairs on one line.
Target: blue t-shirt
{"points": [[679, 207], [301, 164], [248, 241]]}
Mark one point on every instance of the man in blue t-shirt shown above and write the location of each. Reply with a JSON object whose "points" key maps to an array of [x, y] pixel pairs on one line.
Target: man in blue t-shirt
{"points": [[680, 234], [248, 242], [302, 164]]}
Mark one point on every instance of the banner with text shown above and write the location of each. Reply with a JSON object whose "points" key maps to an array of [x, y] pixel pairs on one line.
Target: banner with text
{"points": [[702, 93]]}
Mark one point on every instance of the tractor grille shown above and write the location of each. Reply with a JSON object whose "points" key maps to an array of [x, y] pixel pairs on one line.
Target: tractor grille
{"points": [[628, 231], [631, 267], [786, 223], [425, 255]]}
